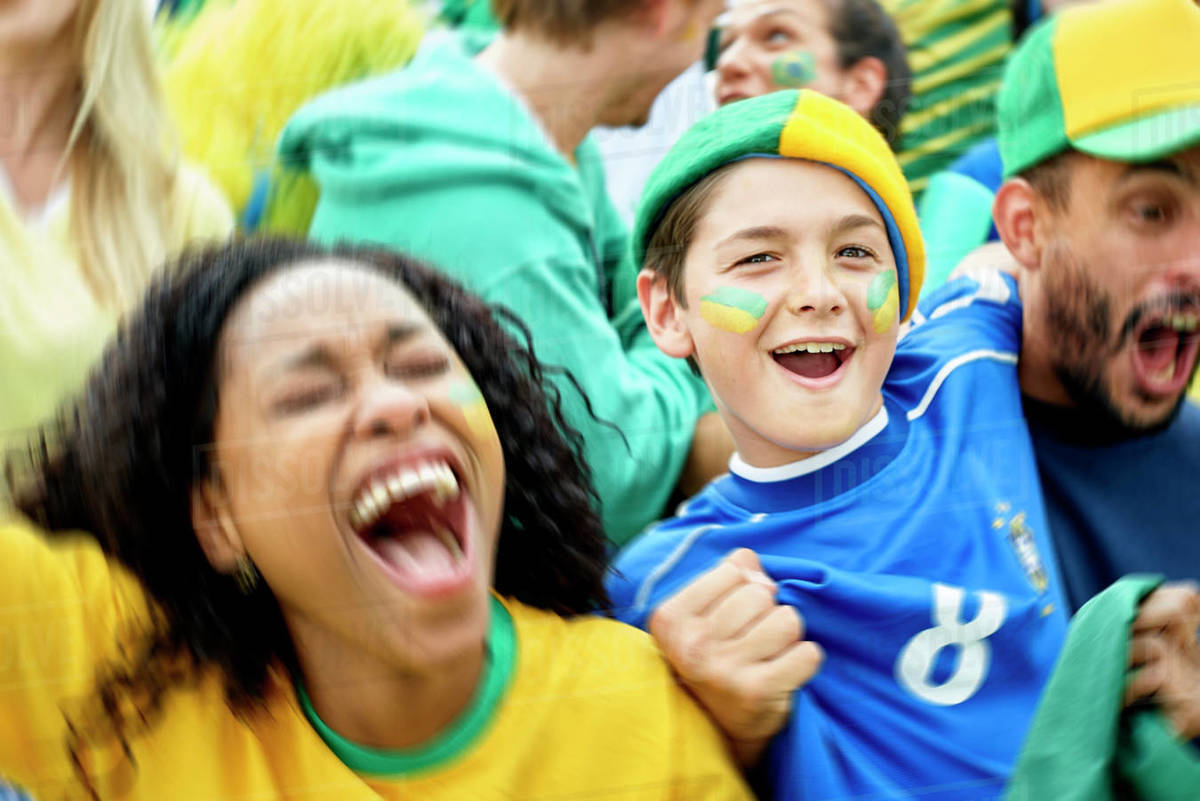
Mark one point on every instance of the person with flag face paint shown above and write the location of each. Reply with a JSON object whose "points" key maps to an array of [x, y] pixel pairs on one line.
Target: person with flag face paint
{"points": [[849, 50], [887, 490]]}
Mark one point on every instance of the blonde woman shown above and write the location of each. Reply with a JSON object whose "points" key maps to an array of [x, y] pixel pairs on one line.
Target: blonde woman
{"points": [[92, 196]]}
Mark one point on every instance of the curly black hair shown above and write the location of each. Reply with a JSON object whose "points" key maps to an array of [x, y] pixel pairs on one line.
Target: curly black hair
{"points": [[122, 462]]}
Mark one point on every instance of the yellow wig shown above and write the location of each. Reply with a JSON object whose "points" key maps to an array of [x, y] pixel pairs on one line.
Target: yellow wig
{"points": [[236, 71]]}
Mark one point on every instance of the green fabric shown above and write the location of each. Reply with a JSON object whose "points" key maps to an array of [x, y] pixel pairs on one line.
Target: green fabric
{"points": [[469, 14], [440, 161], [732, 132], [1082, 747], [956, 215], [500, 660], [956, 50], [1030, 125], [1147, 138]]}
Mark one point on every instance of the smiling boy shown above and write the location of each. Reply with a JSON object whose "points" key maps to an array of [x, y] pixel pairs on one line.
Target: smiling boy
{"points": [[890, 492]]}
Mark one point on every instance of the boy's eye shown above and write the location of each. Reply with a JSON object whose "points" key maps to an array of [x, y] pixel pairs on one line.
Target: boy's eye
{"points": [[855, 252], [757, 258]]}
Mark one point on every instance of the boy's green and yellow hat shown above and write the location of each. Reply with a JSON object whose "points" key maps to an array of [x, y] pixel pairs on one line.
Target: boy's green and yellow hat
{"points": [[793, 124], [1119, 80]]}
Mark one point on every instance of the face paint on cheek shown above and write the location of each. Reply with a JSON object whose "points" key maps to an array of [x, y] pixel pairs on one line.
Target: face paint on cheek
{"points": [[474, 408], [883, 301], [733, 309], [688, 33], [793, 70]]}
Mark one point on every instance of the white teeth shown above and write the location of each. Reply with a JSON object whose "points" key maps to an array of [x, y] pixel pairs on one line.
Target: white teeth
{"points": [[374, 499], [1182, 323], [445, 486], [811, 347]]}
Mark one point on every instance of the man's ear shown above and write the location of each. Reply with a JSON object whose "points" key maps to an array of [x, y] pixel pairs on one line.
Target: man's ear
{"points": [[655, 15], [213, 523], [664, 315], [863, 84], [1015, 211]]}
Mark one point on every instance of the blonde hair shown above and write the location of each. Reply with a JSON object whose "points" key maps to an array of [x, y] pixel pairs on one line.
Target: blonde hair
{"points": [[123, 163]]}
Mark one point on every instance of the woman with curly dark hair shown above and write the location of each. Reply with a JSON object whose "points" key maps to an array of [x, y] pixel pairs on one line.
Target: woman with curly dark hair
{"points": [[341, 546]]}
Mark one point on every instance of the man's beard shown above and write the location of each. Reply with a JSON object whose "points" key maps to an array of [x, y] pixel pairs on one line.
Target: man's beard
{"points": [[1078, 318]]}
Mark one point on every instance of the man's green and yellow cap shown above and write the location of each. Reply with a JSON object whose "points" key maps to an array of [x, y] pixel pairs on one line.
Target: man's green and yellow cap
{"points": [[801, 125], [1118, 79]]}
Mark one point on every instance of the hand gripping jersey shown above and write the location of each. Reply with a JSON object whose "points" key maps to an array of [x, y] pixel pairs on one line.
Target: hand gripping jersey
{"points": [[917, 553]]}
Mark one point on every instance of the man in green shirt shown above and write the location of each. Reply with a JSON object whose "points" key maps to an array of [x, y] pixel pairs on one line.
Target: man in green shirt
{"points": [[482, 164]]}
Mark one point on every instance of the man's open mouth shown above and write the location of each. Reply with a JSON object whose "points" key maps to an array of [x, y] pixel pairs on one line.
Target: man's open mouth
{"points": [[1165, 351], [813, 360], [413, 517]]}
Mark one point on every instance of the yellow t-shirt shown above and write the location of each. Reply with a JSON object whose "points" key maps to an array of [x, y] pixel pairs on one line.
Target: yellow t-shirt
{"points": [[590, 710], [52, 328]]}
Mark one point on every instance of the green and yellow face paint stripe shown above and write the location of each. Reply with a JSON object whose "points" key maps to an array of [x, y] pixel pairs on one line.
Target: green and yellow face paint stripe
{"points": [[469, 399], [883, 300], [733, 309]]}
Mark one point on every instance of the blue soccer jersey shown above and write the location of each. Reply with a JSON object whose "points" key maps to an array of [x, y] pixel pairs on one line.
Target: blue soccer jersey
{"points": [[917, 553]]}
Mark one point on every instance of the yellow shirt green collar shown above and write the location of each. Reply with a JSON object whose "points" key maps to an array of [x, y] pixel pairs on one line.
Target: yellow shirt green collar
{"points": [[499, 662]]}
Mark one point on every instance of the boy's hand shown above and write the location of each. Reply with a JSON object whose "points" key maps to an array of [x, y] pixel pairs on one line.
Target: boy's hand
{"points": [[1165, 649], [737, 650]]}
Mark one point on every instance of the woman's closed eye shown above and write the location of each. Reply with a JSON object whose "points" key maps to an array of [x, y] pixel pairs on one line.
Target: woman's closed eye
{"points": [[304, 397], [419, 367]]}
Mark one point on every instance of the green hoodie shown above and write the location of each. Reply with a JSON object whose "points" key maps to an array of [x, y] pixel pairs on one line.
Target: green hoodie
{"points": [[1083, 746], [441, 161]]}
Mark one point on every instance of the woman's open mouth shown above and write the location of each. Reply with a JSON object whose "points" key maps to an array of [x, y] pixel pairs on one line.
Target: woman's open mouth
{"points": [[414, 519], [1164, 352], [815, 364]]}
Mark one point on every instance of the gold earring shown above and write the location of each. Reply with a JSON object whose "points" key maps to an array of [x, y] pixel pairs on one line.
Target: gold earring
{"points": [[245, 574]]}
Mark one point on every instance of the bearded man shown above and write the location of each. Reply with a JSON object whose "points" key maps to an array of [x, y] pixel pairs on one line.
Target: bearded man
{"points": [[1099, 130]]}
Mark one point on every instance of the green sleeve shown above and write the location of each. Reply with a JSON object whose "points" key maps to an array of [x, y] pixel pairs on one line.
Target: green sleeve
{"points": [[504, 241], [616, 257], [956, 215], [1082, 745]]}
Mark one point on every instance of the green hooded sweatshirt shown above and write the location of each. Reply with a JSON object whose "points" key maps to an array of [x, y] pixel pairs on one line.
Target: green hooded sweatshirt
{"points": [[1083, 746], [442, 161]]}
